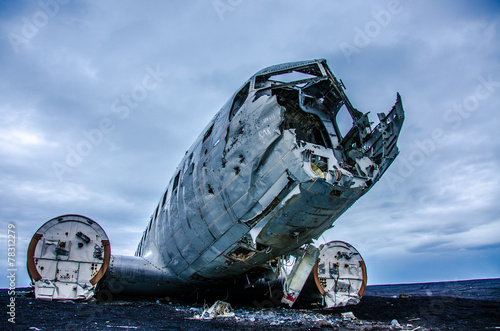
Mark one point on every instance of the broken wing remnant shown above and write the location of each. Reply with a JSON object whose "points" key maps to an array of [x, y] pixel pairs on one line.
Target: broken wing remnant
{"points": [[272, 171]]}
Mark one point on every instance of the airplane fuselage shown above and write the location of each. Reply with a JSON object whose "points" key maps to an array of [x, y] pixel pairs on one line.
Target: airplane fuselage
{"points": [[270, 173]]}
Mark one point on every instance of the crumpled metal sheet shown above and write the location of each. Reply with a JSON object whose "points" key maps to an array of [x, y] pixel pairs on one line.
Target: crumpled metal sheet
{"points": [[218, 309]]}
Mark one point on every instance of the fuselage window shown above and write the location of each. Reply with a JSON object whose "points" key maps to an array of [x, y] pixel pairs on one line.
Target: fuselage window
{"points": [[208, 133], [239, 99], [164, 198], [176, 181], [308, 127], [343, 121]]}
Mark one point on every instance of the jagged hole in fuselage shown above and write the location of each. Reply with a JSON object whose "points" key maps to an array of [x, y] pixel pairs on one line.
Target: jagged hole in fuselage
{"points": [[308, 127]]}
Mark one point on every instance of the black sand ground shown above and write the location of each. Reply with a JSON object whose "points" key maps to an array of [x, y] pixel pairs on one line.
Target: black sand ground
{"points": [[375, 312]]}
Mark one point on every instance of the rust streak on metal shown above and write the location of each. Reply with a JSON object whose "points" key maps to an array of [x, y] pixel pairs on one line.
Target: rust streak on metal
{"points": [[365, 278], [31, 257], [105, 264], [316, 279]]}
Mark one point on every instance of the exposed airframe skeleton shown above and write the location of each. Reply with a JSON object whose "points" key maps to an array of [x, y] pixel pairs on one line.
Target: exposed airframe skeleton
{"points": [[271, 172]]}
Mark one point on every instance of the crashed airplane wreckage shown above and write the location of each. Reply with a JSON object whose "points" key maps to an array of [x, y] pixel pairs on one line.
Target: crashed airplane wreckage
{"points": [[271, 172]]}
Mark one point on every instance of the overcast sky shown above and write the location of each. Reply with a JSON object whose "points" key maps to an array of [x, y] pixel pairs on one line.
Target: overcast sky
{"points": [[99, 100]]}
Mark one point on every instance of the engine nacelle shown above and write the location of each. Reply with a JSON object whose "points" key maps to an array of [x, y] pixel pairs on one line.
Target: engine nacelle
{"points": [[340, 274], [66, 258], [338, 271]]}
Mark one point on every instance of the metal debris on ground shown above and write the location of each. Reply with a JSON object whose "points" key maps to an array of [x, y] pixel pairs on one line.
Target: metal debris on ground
{"points": [[218, 309], [290, 318], [348, 316]]}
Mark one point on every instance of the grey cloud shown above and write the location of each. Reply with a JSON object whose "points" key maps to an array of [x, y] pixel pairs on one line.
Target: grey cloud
{"points": [[65, 80]]}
